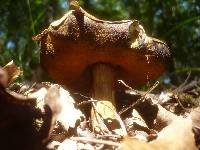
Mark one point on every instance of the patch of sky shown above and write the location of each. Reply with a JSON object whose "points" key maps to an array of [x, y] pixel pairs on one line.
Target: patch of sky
{"points": [[64, 4], [10, 44], [156, 18], [158, 12], [1, 33], [185, 5], [167, 80]]}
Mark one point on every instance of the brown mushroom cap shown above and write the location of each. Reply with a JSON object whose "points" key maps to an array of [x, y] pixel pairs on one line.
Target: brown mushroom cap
{"points": [[73, 44]]}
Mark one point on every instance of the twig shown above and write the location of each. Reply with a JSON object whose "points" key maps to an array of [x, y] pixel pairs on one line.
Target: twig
{"points": [[82, 95], [181, 105], [96, 141], [122, 82], [143, 96], [190, 86], [86, 102], [127, 86], [184, 83], [110, 135], [29, 89]]}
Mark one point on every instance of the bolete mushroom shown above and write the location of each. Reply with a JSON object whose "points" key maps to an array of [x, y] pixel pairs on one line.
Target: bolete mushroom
{"points": [[89, 55]]}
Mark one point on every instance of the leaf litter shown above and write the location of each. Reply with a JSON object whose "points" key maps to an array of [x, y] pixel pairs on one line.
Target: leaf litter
{"points": [[56, 119]]}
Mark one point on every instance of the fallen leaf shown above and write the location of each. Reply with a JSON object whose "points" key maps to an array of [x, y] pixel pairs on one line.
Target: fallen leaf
{"points": [[177, 136], [195, 116], [3, 78], [68, 145], [61, 104], [13, 71]]}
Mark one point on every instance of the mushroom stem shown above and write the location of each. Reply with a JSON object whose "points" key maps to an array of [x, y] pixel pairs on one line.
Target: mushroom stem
{"points": [[103, 91], [103, 82]]}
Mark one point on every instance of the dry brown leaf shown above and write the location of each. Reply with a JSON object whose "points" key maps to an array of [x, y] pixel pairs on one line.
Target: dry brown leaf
{"points": [[39, 95], [177, 136], [61, 105], [139, 124], [195, 116], [106, 120], [13, 71], [67, 113], [3, 78], [138, 119]]}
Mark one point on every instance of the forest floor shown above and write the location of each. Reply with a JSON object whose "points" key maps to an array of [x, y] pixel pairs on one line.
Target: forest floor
{"points": [[47, 116]]}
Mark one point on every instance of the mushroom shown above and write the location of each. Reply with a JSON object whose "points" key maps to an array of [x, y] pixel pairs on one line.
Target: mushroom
{"points": [[89, 55]]}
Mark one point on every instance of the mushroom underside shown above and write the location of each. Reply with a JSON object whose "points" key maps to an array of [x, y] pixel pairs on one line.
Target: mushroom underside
{"points": [[76, 42], [72, 63]]}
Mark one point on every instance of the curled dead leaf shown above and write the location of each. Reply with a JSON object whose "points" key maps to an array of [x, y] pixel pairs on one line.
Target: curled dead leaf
{"points": [[195, 116], [61, 104], [177, 136], [12, 71], [3, 78]]}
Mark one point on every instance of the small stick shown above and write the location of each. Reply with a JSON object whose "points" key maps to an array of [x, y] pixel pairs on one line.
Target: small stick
{"points": [[84, 96], [122, 82], [183, 84], [110, 135], [29, 89], [143, 96], [96, 141], [86, 102], [127, 86], [181, 105]]}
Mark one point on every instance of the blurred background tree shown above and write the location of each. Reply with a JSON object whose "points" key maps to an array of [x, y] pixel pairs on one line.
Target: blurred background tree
{"points": [[177, 22]]}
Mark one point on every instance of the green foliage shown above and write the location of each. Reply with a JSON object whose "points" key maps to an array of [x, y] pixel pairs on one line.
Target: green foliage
{"points": [[20, 20], [175, 21]]}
